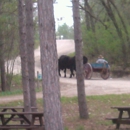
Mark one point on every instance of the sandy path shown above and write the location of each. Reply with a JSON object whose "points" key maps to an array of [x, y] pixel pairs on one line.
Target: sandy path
{"points": [[95, 86]]}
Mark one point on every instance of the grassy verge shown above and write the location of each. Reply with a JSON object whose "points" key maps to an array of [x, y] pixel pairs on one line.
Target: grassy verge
{"points": [[98, 108], [16, 92], [16, 86]]}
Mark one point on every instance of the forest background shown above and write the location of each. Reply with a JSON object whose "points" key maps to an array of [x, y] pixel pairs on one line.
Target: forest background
{"points": [[105, 30]]}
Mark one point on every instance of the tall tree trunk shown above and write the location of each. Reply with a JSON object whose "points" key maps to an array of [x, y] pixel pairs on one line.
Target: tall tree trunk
{"points": [[2, 71], [23, 54], [89, 19], [79, 62], [30, 50], [2, 63], [49, 64]]}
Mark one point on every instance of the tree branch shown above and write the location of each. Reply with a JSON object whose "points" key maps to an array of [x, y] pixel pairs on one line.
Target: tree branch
{"points": [[81, 7]]}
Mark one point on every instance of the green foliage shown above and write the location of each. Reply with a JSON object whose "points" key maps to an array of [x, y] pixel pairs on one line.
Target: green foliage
{"points": [[14, 81], [17, 80], [65, 31], [106, 40], [9, 28], [9, 36], [103, 42], [9, 33]]}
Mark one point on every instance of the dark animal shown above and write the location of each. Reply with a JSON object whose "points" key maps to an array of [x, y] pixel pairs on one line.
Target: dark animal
{"points": [[63, 64], [66, 62]]}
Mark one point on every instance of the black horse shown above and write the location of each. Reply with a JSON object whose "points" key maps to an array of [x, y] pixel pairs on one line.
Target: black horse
{"points": [[63, 64], [66, 62]]}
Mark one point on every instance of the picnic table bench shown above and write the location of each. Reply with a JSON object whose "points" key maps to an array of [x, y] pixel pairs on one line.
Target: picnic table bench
{"points": [[121, 119]]}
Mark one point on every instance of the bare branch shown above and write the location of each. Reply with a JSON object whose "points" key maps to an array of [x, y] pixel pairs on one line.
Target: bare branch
{"points": [[81, 7]]}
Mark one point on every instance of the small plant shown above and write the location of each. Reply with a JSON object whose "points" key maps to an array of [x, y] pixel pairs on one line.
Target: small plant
{"points": [[66, 128], [80, 128]]}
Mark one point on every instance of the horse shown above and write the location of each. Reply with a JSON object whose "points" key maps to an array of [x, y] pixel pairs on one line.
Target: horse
{"points": [[66, 62], [63, 64]]}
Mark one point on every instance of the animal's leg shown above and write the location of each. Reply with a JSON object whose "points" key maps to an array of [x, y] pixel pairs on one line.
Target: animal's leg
{"points": [[59, 72], [71, 72], [64, 72]]}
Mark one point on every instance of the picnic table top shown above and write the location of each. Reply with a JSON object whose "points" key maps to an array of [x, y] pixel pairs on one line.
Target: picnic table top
{"points": [[19, 107], [20, 113], [121, 107]]}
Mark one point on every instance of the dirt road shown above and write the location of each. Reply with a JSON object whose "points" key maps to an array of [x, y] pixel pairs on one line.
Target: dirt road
{"points": [[95, 86]]}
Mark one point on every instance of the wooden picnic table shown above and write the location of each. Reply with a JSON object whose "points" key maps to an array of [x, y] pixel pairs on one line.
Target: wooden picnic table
{"points": [[121, 119], [29, 124]]}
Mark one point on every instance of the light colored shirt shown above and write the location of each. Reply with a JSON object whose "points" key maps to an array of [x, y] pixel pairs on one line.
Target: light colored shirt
{"points": [[101, 61]]}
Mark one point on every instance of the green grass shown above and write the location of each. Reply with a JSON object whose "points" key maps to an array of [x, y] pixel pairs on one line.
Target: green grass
{"points": [[111, 99], [13, 103], [122, 99], [99, 107], [69, 100], [16, 92], [9, 93], [80, 128], [16, 85]]}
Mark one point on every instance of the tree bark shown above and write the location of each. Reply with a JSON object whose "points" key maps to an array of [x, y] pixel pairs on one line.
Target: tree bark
{"points": [[2, 72], [79, 62], [2, 63], [23, 55], [49, 64], [30, 50], [89, 19]]}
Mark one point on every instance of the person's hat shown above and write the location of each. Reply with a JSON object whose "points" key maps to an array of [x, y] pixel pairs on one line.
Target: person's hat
{"points": [[100, 57]]}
